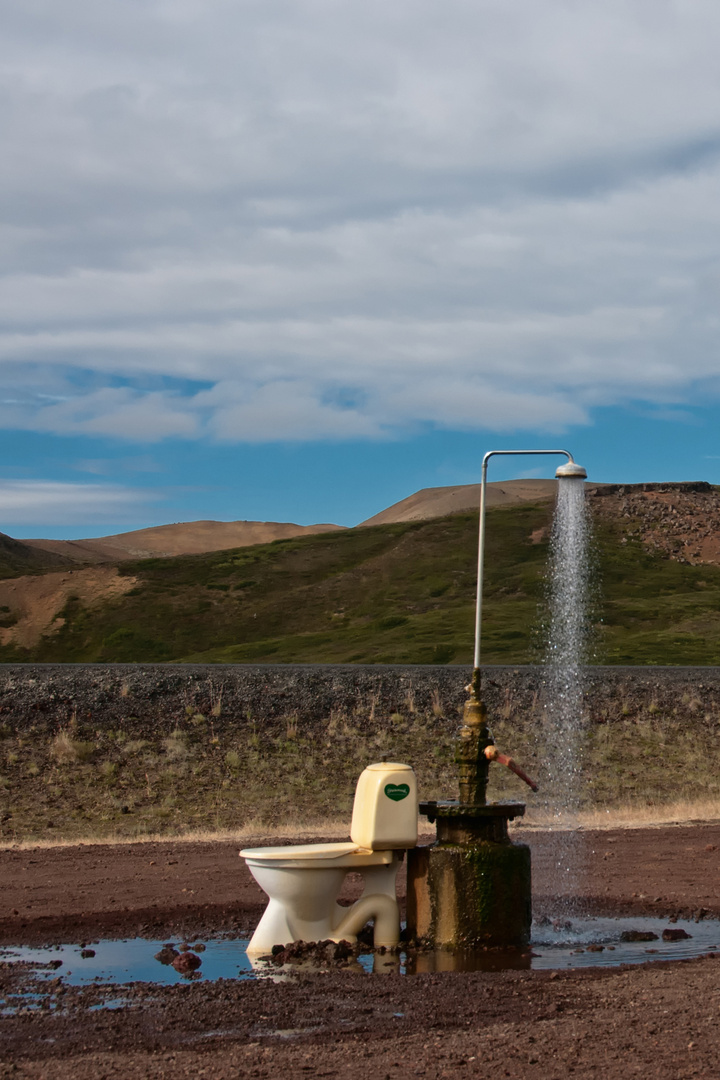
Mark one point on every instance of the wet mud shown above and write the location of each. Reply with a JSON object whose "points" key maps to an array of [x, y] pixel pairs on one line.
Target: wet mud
{"points": [[657, 1019]]}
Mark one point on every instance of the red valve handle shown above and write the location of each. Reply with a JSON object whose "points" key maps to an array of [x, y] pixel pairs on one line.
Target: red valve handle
{"points": [[493, 754]]}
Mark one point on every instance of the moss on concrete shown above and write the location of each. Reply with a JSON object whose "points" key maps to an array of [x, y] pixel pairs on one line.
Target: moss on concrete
{"points": [[462, 897]]}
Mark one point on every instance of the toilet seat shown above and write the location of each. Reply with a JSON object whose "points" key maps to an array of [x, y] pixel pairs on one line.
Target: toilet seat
{"points": [[308, 856]]}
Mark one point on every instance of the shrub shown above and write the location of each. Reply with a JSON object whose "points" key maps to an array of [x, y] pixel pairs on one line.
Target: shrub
{"points": [[176, 746], [135, 746], [67, 750]]}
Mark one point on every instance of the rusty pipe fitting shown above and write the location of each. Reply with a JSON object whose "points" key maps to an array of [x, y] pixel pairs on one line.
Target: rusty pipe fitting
{"points": [[493, 754]]}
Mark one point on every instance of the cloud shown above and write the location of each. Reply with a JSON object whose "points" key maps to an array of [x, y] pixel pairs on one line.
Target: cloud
{"points": [[224, 223], [139, 463], [30, 502]]}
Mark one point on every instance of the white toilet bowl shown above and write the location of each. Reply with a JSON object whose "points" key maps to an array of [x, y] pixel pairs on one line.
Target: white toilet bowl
{"points": [[303, 881]]}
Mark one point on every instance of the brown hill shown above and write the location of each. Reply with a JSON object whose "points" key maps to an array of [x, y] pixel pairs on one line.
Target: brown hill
{"points": [[437, 502], [20, 557], [182, 538], [34, 602], [678, 521]]}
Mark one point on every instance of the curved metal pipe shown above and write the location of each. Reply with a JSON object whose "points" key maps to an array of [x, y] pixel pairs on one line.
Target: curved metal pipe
{"points": [[481, 542]]}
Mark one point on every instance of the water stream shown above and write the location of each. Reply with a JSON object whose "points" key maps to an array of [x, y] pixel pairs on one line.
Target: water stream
{"points": [[566, 653]]}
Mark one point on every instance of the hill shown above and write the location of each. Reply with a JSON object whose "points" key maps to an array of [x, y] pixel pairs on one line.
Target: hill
{"points": [[464, 498], [19, 557], [360, 595], [182, 538], [404, 592]]}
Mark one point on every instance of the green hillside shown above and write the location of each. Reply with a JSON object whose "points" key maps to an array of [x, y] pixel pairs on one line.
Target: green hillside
{"points": [[401, 593]]}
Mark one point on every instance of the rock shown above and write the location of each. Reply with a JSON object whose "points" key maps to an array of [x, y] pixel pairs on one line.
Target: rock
{"points": [[675, 933], [87, 953], [344, 950], [167, 955], [320, 952], [186, 962], [639, 935]]}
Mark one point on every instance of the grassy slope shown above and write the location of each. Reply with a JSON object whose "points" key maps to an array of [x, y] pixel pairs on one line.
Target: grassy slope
{"points": [[383, 594], [17, 558], [399, 593]]}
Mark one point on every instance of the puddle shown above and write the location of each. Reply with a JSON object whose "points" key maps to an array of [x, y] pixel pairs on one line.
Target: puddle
{"points": [[574, 943], [21, 1003], [589, 942], [131, 960]]}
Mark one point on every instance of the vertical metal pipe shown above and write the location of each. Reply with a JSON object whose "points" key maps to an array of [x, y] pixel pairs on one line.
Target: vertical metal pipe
{"points": [[481, 563]]}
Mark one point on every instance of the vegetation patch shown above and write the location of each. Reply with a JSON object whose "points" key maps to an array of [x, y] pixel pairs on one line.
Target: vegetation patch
{"points": [[201, 771], [401, 594]]}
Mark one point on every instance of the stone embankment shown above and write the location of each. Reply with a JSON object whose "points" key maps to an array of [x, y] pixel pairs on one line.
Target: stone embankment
{"points": [[135, 750], [158, 697]]}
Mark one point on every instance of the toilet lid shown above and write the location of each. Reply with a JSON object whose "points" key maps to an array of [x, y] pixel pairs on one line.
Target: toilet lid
{"points": [[302, 851]]}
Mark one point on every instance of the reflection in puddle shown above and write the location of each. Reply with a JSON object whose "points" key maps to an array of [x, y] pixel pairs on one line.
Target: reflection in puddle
{"points": [[560, 944], [590, 942], [21, 1003]]}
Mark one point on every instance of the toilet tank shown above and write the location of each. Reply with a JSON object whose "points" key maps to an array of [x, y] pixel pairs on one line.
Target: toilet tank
{"points": [[385, 811]]}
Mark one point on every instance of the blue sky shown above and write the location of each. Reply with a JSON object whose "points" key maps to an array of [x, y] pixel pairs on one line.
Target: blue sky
{"points": [[295, 259]]}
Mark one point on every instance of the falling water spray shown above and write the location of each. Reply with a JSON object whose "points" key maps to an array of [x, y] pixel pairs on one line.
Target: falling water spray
{"points": [[566, 654]]}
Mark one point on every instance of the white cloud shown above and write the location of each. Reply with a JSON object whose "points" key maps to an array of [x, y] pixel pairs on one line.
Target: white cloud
{"points": [[324, 219], [140, 463], [30, 502]]}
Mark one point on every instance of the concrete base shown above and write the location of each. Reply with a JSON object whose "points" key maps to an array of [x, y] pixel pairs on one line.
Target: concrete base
{"points": [[461, 896]]}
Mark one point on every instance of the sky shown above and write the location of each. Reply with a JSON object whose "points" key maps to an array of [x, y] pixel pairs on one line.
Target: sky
{"points": [[293, 260]]}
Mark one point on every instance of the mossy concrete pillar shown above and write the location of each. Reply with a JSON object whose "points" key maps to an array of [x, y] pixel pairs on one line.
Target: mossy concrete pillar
{"points": [[472, 888]]}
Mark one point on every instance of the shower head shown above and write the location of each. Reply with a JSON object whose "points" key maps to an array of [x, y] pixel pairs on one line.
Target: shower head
{"points": [[570, 469]]}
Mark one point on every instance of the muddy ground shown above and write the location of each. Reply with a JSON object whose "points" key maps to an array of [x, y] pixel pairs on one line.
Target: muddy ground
{"points": [[656, 1020]]}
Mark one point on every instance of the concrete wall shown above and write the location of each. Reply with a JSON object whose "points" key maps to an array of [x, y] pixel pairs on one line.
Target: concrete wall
{"points": [[157, 697]]}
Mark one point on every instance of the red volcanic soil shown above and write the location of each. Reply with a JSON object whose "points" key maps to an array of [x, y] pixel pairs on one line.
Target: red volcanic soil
{"points": [[654, 1020]]}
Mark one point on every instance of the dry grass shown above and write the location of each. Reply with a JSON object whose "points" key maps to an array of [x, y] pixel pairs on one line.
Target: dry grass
{"points": [[677, 814], [637, 816], [238, 779], [247, 834], [67, 750]]}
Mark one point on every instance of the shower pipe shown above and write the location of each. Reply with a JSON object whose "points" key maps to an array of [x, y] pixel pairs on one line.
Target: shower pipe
{"points": [[570, 469]]}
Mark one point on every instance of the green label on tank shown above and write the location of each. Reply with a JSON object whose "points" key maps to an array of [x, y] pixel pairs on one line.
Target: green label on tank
{"points": [[397, 792]]}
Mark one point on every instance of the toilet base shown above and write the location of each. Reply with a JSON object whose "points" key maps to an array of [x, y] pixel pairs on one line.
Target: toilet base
{"points": [[302, 904]]}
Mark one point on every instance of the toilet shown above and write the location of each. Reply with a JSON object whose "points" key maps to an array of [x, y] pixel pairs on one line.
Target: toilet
{"points": [[303, 881]]}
